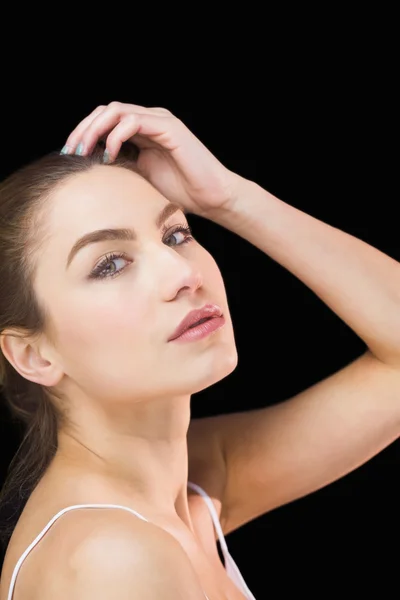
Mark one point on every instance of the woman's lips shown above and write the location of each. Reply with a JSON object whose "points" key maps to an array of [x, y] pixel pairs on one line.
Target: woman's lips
{"points": [[193, 318], [201, 330]]}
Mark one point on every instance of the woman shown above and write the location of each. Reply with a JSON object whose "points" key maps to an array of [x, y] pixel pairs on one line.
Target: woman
{"points": [[100, 278]]}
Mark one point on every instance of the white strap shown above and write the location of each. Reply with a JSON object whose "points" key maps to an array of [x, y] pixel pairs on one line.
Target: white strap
{"points": [[213, 512], [231, 567], [49, 524]]}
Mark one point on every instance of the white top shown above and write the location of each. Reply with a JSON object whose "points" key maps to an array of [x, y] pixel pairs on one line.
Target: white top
{"points": [[231, 568]]}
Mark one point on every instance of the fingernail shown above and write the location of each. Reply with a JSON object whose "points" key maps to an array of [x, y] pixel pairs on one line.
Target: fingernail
{"points": [[106, 157], [65, 149], [79, 149]]}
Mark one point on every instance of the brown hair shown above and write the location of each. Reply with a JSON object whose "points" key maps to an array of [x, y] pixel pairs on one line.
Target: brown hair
{"points": [[22, 201]]}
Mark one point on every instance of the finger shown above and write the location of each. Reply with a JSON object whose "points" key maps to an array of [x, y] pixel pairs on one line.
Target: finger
{"points": [[126, 129], [104, 122], [78, 133], [122, 132], [75, 136], [141, 109], [161, 111], [143, 128]]}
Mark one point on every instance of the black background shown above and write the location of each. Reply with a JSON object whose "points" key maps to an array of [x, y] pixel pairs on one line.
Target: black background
{"points": [[311, 118]]}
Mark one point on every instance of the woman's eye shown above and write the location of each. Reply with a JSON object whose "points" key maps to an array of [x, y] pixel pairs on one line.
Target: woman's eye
{"points": [[182, 235], [109, 267], [114, 266]]}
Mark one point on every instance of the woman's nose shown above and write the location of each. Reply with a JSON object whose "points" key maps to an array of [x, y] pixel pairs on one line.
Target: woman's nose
{"points": [[180, 276]]}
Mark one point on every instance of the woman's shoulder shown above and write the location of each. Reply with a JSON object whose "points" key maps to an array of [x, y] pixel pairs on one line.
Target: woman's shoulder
{"points": [[83, 543], [71, 539], [55, 519]]}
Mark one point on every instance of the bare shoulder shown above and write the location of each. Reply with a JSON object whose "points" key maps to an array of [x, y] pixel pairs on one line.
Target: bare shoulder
{"points": [[108, 553]]}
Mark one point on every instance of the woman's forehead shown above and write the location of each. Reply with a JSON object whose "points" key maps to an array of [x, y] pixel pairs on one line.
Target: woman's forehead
{"points": [[103, 193]]}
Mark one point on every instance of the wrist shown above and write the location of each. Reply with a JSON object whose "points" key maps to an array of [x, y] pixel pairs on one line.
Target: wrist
{"points": [[237, 189], [242, 204]]}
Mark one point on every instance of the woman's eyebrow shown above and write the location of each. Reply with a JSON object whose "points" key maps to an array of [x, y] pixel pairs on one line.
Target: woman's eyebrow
{"points": [[101, 235]]}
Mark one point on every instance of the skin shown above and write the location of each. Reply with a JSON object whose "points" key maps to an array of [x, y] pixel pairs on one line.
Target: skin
{"points": [[127, 389]]}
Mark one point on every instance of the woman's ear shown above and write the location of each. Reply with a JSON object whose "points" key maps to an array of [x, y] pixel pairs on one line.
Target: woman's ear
{"points": [[26, 356]]}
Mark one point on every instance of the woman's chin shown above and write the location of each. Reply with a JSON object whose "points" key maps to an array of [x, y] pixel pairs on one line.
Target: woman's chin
{"points": [[217, 370]]}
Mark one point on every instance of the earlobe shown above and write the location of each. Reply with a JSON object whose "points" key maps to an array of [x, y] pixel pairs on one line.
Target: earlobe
{"points": [[24, 355]]}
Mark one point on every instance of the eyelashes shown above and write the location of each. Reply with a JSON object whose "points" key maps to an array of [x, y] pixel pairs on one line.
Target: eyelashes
{"points": [[102, 270], [107, 266]]}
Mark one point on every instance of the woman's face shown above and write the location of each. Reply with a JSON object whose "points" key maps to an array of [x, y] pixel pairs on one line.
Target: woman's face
{"points": [[113, 303]]}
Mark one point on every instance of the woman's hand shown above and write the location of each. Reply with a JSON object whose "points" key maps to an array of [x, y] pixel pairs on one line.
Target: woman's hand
{"points": [[170, 156]]}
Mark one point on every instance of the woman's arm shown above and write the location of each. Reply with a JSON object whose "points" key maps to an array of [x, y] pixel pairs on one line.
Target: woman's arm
{"points": [[276, 454], [358, 282]]}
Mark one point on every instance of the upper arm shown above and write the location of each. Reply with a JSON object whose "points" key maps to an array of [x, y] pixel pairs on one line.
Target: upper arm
{"points": [[126, 558], [280, 453]]}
